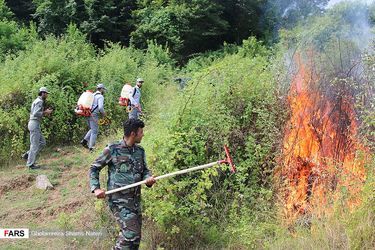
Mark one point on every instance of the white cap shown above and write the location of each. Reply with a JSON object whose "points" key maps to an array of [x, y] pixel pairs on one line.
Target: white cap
{"points": [[43, 89], [101, 86], [140, 80]]}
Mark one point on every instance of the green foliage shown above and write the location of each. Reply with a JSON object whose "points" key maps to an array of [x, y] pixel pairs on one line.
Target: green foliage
{"points": [[221, 104], [184, 27], [105, 20], [12, 37], [366, 102], [57, 64], [345, 22], [165, 25], [360, 224], [190, 27], [22, 9], [55, 16], [159, 53], [123, 65], [65, 65], [288, 13], [5, 12], [251, 48], [246, 18], [254, 227], [64, 221]]}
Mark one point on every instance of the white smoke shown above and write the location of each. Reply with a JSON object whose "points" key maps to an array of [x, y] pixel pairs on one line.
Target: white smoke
{"points": [[333, 2], [292, 6], [362, 33]]}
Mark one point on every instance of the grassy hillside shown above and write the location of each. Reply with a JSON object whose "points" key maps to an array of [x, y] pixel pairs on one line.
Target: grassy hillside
{"points": [[69, 206]]}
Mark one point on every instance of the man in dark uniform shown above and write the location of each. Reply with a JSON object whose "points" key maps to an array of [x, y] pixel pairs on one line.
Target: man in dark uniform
{"points": [[126, 162]]}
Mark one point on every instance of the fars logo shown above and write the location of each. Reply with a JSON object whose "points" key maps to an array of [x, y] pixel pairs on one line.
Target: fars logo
{"points": [[14, 233]]}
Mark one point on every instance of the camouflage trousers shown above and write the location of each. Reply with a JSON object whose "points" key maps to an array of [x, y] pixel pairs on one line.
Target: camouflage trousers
{"points": [[130, 223]]}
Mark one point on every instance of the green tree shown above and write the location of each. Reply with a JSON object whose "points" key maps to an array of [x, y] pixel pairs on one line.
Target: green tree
{"points": [[108, 20], [245, 18], [5, 12], [186, 27], [22, 9], [54, 15], [290, 12], [12, 37]]}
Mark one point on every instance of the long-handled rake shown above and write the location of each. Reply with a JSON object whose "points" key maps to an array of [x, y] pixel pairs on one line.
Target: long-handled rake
{"points": [[228, 160]]}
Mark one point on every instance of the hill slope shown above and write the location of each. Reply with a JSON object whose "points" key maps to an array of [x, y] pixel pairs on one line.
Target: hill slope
{"points": [[68, 207]]}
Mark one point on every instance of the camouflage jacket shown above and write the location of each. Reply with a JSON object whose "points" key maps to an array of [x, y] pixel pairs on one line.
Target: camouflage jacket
{"points": [[126, 165]]}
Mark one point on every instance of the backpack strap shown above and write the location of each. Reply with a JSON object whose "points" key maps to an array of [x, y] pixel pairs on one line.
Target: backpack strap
{"points": [[96, 105], [135, 90]]}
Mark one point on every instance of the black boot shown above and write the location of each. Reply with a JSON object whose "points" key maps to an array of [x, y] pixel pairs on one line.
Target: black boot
{"points": [[84, 144], [33, 167], [25, 156]]}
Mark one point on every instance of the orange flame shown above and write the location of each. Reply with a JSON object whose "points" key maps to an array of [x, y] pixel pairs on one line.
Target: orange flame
{"points": [[322, 159]]}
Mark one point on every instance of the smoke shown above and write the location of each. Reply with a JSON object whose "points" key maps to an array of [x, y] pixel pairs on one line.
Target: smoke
{"points": [[292, 6], [348, 21], [331, 3], [339, 35], [359, 20], [291, 13]]}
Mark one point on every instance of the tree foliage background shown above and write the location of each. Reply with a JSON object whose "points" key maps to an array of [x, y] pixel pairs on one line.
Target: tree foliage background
{"points": [[186, 27]]}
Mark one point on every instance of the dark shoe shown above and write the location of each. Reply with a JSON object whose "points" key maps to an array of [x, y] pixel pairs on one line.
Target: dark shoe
{"points": [[32, 167], [91, 150], [25, 156], [84, 144]]}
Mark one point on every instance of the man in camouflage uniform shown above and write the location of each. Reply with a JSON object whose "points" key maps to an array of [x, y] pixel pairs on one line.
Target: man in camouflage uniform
{"points": [[37, 141], [126, 165]]}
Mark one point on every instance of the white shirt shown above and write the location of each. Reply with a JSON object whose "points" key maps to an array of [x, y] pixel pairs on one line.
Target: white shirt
{"points": [[98, 103], [135, 97]]}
